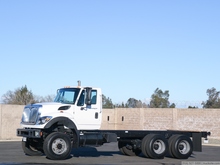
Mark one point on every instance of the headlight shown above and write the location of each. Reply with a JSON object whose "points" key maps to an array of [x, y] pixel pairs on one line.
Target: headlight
{"points": [[44, 119]]}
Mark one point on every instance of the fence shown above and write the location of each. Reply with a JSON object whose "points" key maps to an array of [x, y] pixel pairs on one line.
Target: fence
{"points": [[131, 119]]}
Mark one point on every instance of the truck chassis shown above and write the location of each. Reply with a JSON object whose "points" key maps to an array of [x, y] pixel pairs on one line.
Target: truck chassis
{"points": [[153, 144]]}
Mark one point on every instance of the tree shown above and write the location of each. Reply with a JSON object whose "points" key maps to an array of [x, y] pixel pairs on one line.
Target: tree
{"points": [[160, 99], [144, 105], [20, 96], [213, 99], [122, 105], [107, 102], [172, 105], [192, 107], [23, 96], [119, 105], [133, 103]]}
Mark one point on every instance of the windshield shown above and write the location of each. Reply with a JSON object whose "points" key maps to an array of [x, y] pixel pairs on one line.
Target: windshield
{"points": [[67, 95]]}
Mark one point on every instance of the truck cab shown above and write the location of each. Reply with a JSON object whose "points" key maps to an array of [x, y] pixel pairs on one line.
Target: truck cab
{"points": [[81, 105]]}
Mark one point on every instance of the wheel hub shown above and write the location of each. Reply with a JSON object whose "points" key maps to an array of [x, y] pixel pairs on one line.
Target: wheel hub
{"points": [[159, 146], [184, 147], [156, 146], [59, 146], [181, 147]]}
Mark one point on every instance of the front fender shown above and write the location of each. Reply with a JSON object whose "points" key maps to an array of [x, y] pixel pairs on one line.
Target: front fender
{"points": [[63, 121]]}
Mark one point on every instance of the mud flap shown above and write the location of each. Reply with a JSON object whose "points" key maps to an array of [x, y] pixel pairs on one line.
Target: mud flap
{"points": [[197, 141]]}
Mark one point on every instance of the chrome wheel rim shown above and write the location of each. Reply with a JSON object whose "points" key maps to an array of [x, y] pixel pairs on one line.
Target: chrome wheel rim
{"points": [[59, 146], [184, 147], [159, 146]]}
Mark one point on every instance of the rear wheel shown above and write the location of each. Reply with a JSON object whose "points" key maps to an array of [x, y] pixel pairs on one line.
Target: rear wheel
{"points": [[127, 149], [143, 146], [120, 147], [154, 146], [57, 146], [30, 147], [181, 147], [170, 141]]}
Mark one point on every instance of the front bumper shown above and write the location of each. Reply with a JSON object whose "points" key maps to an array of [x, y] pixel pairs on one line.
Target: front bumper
{"points": [[29, 133]]}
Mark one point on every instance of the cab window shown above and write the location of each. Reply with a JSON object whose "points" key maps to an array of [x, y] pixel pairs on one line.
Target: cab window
{"points": [[81, 100], [94, 97]]}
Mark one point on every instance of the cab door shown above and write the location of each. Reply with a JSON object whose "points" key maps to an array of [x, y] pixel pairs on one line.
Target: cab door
{"points": [[88, 113]]}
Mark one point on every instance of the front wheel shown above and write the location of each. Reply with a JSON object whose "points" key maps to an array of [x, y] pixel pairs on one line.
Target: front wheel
{"points": [[57, 146], [30, 148]]}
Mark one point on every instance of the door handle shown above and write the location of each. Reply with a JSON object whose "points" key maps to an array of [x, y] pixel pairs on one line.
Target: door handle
{"points": [[96, 115]]}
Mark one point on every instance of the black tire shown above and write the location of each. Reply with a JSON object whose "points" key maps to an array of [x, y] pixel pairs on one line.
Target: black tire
{"points": [[181, 147], [57, 146], [126, 149], [120, 147], [131, 152], [155, 146], [29, 148], [143, 146], [170, 141]]}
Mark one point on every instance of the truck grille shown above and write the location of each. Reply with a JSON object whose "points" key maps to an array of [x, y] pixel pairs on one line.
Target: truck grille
{"points": [[30, 115]]}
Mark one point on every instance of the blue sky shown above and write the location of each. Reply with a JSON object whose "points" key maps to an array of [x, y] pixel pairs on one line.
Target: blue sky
{"points": [[126, 47]]}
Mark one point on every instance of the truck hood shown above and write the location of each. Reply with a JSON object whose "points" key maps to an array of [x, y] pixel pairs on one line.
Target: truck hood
{"points": [[52, 106]]}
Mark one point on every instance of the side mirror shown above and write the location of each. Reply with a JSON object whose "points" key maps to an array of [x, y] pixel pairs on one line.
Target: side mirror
{"points": [[88, 96]]}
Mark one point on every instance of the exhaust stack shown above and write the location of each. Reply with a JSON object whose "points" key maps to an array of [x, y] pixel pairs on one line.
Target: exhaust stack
{"points": [[79, 83]]}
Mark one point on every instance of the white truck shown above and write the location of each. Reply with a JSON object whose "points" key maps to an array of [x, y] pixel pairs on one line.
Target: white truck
{"points": [[74, 120]]}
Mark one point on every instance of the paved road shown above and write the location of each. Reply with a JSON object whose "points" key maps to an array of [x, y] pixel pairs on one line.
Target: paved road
{"points": [[11, 154]]}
